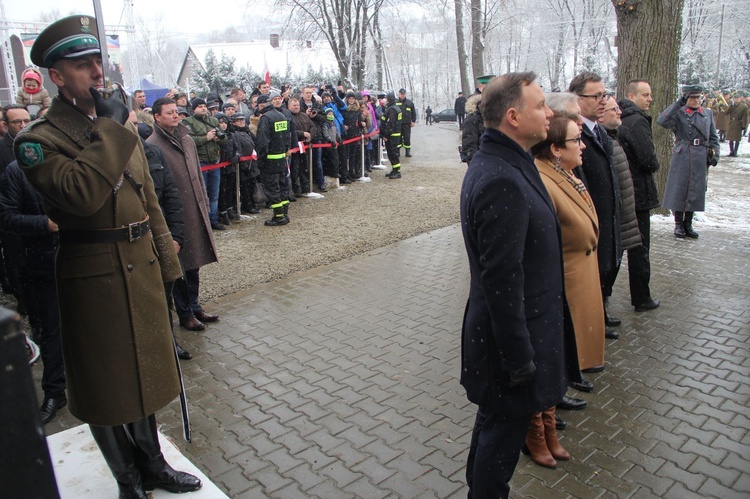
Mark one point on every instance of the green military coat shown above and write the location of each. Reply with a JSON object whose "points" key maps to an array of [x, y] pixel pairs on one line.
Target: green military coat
{"points": [[117, 343]]}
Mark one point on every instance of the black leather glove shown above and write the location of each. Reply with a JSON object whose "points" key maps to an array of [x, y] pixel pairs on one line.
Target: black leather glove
{"points": [[522, 376], [112, 107], [713, 159], [683, 100], [235, 161]]}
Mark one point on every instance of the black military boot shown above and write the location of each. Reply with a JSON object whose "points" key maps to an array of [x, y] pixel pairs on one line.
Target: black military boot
{"points": [[679, 228], [395, 173], [233, 215], [118, 453], [155, 470], [278, 218], [687, 226], [286, 213]]}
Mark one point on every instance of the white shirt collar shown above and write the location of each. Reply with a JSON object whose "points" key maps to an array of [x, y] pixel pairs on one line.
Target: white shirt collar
{"points": [[589, 123]]}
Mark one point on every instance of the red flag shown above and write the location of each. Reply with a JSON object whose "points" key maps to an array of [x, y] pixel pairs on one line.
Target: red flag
{"points": [[266, 73]]}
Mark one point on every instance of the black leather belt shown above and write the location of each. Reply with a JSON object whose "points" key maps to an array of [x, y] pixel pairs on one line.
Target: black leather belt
{"points": [[129, 233], [695, 142]]}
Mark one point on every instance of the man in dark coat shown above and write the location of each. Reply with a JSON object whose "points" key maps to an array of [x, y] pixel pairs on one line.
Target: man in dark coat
{"points": [[22, 214], [696, 148], [115, 254], [638, 143], [514, 347], [197, 248], [459, 107], [599, 175], [473, 128]]}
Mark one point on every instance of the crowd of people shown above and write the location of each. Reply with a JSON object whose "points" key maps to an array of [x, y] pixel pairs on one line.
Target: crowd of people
{"points": [[87, 204]]}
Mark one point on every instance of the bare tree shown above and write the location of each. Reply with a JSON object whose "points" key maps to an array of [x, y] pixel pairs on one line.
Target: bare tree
{"points": [[466, 87], [344, 24], [653, 57]]}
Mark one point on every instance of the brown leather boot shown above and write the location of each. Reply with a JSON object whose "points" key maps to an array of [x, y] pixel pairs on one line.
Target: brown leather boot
{"points": [[550, 435], [536, 445]]}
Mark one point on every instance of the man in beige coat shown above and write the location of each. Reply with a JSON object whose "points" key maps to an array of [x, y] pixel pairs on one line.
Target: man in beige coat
{"points": [[115, 253]]}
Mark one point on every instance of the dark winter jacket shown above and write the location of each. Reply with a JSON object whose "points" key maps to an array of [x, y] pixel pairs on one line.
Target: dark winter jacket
{"points": [[390, 122], [459, 107], [630, 235], [22, 214], [166, 191], [408, 111], [637, 141], [7, 156], [600, 179], [472, 130], [245, 146], [273, 140], [352, 121]]}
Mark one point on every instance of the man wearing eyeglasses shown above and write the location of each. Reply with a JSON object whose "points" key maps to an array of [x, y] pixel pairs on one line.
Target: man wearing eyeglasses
{"points": [[15, 118], [599, 176]]}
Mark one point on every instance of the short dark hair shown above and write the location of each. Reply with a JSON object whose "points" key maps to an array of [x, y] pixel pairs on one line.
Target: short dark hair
{"points": [[161, 102], [139, 91], [578, 83], [11, 107], [632, 86], [557, 133], [502, 93]]}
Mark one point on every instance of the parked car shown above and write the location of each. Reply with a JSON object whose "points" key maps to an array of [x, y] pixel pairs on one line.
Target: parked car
{"points": [[444, 115]]}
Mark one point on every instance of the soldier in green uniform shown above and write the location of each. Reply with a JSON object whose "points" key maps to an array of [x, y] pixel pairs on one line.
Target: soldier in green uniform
{"points": [[115, 253]]}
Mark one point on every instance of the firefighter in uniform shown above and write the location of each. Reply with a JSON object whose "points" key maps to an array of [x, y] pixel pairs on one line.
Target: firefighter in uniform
{"points": [[272, 147], [409, 116], [391, 134]]}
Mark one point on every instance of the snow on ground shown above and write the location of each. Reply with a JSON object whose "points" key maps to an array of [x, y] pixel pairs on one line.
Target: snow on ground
{"points": [[728, 196]]}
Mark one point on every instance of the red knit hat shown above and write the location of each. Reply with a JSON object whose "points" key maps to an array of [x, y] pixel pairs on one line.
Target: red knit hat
{"points": [[31, 74]]}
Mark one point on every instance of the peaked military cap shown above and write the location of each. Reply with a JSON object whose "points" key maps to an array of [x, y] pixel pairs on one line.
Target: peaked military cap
{"points": [[68, 38], [692, 89], [485, 79]]}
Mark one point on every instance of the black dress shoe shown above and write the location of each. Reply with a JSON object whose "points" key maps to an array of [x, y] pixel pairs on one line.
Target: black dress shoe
{"points": [[592, 370], [182, 353], [584, 386], [572, 404], [560, 423], [170, 480], [611, 334], [218, 226], [651, 304], [192, 324], [50, 406], [204, 317], [611, 321]]}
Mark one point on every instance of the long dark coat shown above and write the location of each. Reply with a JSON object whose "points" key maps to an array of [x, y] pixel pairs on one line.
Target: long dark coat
{"points": [[600, 178], [636, 138], [516, 310], [117, 344], [688, 170], [198, 247]]}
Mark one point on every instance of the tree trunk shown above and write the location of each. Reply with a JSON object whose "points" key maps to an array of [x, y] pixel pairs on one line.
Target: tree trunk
{"points": [[477, 43], [466, 87], [377, 40], [649, 49]]}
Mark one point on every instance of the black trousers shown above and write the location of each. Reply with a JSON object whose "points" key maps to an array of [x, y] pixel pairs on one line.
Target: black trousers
{"points": [[275, 186], [355, 160], [391, 148], [460, 118], [343, 152], [227, 190], [493, 454], [186, 294], [40, 296], [247, 189], [406, 135], [330, 160], [639, 262]]}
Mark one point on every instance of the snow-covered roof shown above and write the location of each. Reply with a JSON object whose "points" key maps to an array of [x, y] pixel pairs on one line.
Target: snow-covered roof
{"points": [[254, 54]]}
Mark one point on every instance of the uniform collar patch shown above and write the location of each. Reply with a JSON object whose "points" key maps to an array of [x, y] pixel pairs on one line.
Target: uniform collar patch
{"points": [[30, 153]]}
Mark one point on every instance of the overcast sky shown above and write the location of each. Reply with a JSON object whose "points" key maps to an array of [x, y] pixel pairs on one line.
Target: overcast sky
{"points": [[186, 16]]}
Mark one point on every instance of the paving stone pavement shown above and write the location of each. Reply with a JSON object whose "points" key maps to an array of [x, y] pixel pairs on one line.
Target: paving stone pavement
{"points": [[343, 382]]}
